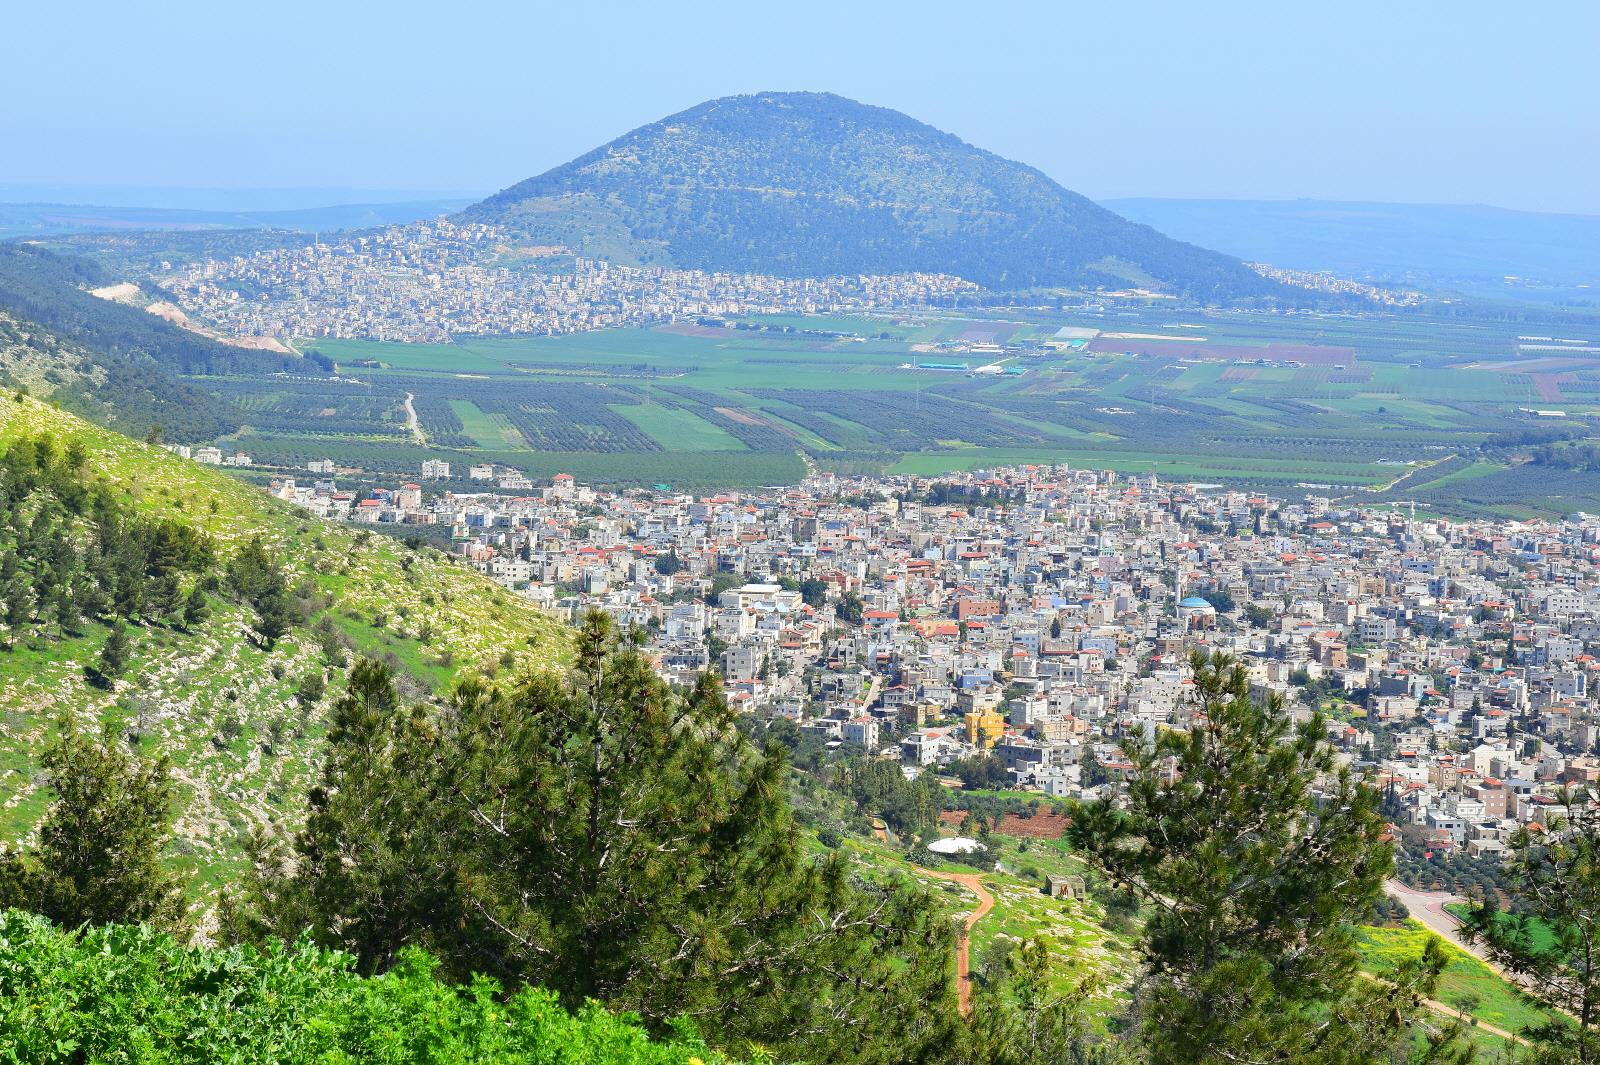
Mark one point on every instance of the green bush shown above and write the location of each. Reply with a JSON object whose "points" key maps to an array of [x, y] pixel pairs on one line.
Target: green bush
{"points": [[128, 994]]}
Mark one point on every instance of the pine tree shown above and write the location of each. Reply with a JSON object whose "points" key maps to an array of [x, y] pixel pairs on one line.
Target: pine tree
{"points": [[1552, 939], [113, 653], [608, 837], [98, 859], [1255, 854], [196, 608], [274, 618]]}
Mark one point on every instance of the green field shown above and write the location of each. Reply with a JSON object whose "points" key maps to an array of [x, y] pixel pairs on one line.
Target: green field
{"points": [[488, 430], [676, 429], [725, 407]]}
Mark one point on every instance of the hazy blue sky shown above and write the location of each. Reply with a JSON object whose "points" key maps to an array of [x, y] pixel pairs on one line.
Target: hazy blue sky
{"points": [[1493, 103]]}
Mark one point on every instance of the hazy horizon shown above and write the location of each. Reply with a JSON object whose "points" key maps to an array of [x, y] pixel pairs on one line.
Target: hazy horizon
{"points": [[1366, 104]]}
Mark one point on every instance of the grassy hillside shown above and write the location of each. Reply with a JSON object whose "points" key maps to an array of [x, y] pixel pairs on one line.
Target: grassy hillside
{"points": [[222, 707]]}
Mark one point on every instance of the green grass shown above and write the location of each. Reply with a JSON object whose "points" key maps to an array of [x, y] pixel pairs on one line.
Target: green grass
{"points": [[489, 430], [1080, 944], [187, 685], [1465, 980], [1411, 398], [676, 429], [1540, 935]]}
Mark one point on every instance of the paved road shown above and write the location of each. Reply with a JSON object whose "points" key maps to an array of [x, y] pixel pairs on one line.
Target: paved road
{"points": [[973, 882], [1428, 907]]}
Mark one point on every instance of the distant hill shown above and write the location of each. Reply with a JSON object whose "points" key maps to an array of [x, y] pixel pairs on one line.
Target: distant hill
{"points": [[110, 390], [55, 219], [241, 722], [112, 361], [1469, 248], [812, 184], [54, 291]]}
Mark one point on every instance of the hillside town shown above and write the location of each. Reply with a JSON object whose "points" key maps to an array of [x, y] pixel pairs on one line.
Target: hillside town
{"points": [[1047, 615], [434, 280]]}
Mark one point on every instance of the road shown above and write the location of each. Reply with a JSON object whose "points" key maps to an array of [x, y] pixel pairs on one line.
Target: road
{"points": [[973, 882], [1428, 907], [413, 423]]}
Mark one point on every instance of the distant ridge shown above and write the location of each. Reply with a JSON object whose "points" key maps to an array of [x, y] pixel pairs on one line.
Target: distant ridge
{"points": [[1449, 246], [813, 184]]}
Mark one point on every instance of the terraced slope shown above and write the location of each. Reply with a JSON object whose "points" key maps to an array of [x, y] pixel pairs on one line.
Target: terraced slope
{"points": [[222, 707]]}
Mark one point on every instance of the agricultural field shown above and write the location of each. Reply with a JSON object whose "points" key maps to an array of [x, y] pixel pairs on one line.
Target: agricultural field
{"points": [[1370, 408]]}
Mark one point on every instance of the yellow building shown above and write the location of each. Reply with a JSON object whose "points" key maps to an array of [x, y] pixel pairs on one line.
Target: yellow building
{"points": [[984, 727]]}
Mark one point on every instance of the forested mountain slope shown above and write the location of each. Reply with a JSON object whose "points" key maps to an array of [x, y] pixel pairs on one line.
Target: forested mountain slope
{"points": [[110, 390], [812, 184], [227, 648]]}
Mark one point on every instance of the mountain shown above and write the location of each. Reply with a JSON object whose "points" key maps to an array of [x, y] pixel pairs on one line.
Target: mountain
{"points": [[812, 184], [1453, 246], [240, 717]]}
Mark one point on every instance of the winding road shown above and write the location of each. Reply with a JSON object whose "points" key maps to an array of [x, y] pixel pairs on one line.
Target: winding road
{"points": [[973, 882], [413, 423]]}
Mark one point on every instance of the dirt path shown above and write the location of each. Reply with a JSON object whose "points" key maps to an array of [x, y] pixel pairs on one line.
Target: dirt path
{"points": [[973, 882], [413, 423], [1450, 1011], [1428, 909]]}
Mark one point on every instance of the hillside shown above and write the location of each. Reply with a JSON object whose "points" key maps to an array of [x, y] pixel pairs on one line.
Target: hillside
{"points": [[239, 720], [53, 290], [110, 390], [812, 184]]}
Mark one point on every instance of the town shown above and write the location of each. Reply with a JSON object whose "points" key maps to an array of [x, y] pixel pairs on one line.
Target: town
{"points": [[432, 281], [1044, 617]]}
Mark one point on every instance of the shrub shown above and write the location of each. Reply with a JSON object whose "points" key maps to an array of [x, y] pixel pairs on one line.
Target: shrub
{"points": [[127, 993]]}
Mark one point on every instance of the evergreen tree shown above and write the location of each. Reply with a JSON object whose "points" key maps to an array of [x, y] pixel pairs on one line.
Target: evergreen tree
{"points": [[1255, 854], [196, 608], [113, 653], [608, 837], [1020, 1016], [98, 859], [274, 618], [255, 576], [1552, 940]]}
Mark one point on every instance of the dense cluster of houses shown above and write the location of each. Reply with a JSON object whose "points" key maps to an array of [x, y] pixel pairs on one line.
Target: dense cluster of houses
{"points": [[433, 280], [1046, 615]]}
